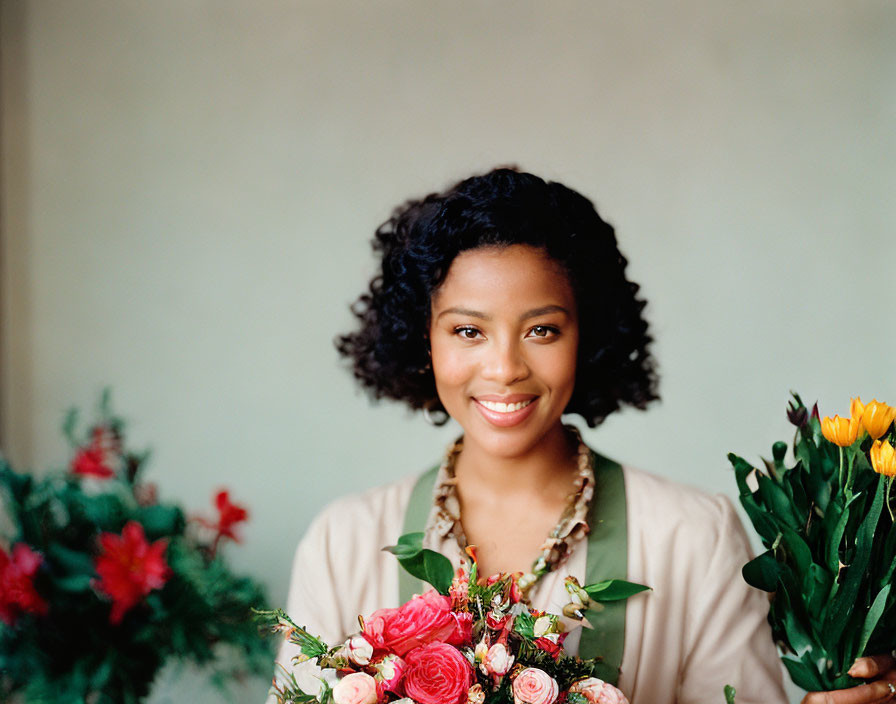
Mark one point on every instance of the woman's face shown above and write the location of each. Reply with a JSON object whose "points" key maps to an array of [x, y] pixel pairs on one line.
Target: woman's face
{"points": [[504, 337]]}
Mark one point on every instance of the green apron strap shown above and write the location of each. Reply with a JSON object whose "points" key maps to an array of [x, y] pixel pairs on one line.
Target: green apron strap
{"points": [[415, 516], [607, 559]]}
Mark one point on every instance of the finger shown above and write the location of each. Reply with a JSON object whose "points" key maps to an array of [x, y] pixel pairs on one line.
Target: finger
{"points": [[863, 694], [872, 666]]}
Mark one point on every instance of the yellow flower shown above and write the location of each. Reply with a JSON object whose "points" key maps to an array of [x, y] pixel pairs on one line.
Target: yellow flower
{"points": [[840, 431], [856, 408], [877, 417], [883, 458]]}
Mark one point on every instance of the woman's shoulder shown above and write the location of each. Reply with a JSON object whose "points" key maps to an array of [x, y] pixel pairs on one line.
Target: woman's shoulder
{"points": [[366, 511], [663, 510]]}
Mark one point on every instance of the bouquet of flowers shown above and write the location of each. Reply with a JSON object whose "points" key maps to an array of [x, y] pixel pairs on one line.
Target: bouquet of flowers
{"points": [[827, 524], [101, 583], [468, 641]]}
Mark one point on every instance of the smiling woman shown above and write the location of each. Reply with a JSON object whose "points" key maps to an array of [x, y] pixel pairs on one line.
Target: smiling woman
{"points": [[504, 303]]}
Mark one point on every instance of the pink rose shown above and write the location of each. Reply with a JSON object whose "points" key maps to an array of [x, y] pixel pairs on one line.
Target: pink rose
{"points": [[598, 692], [423, 619], [356, 688], [437, 673], [534, 686]]}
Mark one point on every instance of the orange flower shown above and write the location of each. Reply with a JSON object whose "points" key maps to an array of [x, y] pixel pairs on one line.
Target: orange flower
{"points": [[883, 458], [841, 431], [877, 417], [856, 408]]}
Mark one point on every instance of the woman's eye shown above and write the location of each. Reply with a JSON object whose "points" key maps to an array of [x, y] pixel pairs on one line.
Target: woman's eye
{"points": [[543, 331], [467, 333]]}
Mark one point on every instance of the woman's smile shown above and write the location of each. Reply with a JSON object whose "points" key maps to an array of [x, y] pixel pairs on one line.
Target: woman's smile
{"points": [[504, 339], [505, 414]]}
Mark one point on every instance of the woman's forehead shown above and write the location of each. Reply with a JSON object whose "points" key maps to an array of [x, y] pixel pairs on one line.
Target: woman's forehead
{"points": [[511, 277]]}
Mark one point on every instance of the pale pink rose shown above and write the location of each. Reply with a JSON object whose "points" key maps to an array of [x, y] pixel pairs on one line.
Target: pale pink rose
{"points": [[598, 692], [497, 660], [358, 649], [356, 688], [534, 686]]}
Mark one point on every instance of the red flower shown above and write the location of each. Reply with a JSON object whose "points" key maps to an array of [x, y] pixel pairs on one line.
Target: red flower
{"points": [[91, 462], [437, 674], [17, 592], [463, 629], [551, 647], [129, 568], [229, 515]]}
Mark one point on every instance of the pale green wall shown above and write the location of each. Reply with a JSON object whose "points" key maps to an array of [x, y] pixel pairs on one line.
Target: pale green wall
{"points": [[189, 190]]}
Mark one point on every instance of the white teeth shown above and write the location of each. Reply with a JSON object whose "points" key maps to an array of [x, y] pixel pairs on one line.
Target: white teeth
{"points": [[505, 407]]}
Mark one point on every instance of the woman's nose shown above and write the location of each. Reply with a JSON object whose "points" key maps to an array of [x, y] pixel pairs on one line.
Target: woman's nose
{"points": [[505, 363]]}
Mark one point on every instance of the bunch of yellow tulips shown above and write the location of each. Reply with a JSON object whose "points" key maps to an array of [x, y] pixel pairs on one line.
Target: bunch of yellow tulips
{"points": [[874, 419]]}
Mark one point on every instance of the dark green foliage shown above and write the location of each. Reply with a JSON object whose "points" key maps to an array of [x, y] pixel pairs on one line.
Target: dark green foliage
{"points": [[830, 553], [201, 615]]}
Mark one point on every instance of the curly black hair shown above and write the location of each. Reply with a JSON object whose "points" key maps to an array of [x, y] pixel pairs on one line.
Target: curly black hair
{"points": [[389, 350]]}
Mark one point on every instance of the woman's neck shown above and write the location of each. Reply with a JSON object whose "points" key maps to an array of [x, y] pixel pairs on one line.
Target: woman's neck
{"points": [[550, 465]]}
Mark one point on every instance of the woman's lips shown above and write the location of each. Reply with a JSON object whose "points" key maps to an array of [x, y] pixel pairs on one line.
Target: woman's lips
{"points": [[507, 411]]}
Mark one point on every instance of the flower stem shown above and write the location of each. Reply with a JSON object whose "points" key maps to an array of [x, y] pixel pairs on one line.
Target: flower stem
{"points": [[850, 463], [841, 468], [889, 507]]}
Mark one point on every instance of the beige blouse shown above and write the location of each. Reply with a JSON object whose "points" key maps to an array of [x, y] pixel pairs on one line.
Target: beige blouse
{"points": [[700, 628]]}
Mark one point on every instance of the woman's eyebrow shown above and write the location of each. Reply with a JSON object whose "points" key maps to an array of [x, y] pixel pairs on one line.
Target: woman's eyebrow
{"points": [[544, 310], [534, 313], [464, 311]]}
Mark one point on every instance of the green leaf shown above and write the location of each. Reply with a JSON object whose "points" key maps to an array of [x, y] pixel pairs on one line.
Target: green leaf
{"points": [[796, 633], [425, 564], [762, 572], [524, 624], [409, 545], [874, 614], [438, 570], [161, 521], [797, 550], [844, 603], [613, 590], [777, 501], [802, 675], [75, 583], [74, 562], [69, 424], [730, 692]]}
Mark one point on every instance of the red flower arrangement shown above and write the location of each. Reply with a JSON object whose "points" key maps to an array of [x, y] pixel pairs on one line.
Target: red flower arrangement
{"points": [[468, 641], [129, 568], [17, 592], [105, 583]]}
